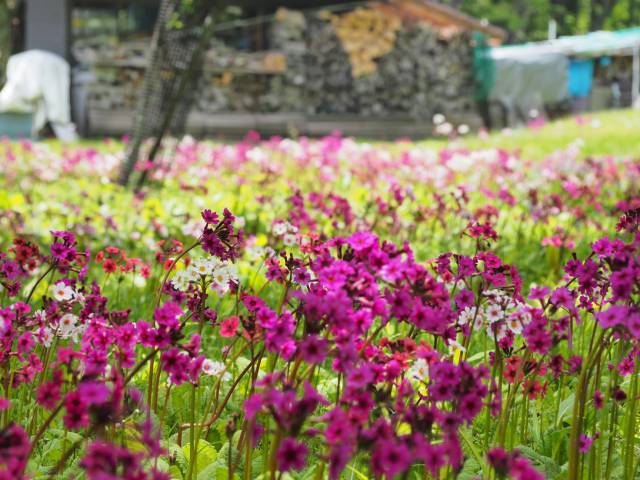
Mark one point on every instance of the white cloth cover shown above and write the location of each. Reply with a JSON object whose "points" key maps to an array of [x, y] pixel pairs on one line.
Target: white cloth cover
{"points": [[527, 79], [38, 83]]}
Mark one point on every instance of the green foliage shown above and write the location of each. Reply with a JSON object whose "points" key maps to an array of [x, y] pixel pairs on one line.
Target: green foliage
{"points": [[205, 456], [527, 20]]}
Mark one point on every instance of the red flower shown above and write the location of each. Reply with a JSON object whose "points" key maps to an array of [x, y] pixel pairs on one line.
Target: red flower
{"points": [[109, 266], [145, 271], [229, 326]]}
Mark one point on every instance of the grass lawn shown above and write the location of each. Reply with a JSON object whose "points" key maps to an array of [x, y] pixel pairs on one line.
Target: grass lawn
{"points": [[604, 133], [615, 132]]}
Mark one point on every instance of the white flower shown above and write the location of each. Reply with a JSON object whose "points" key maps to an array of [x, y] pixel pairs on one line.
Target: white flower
{"points": [[62, 292], [419, 370], [240, 222], [256, 252], [438, 118], [279, 229], [289, 240], [494, 293], [502, 331], [494, 313], [232, 270], [213, 368], [66, 325], [40, 316], [45, 337], [202, 266], [467, 315], [456, 350], [181, 279], [525, 315], [510, 304], [478, 322], [193, 229], [514, 323], [444, 128], [77, 331], [209, 367], [221, 277]]}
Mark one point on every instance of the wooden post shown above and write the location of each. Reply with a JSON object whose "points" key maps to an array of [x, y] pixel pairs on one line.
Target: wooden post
{"points": [[635, 79]]}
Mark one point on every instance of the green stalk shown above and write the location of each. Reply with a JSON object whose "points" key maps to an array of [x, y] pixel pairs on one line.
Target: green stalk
{"points": [[613, 422], [630, 420], [42, 277], [594, 464], [273, 463], [578, 409], [612, 440], [192, 433], [559, 398]]}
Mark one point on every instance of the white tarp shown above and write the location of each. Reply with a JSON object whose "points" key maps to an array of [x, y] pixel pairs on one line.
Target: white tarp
{"points": [[529, 75], [527, 79], [38, 82]]}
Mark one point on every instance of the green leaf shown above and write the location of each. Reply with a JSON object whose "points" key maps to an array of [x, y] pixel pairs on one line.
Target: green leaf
{"points": [[175, 472], [257, 463], [356, 473], [477, 456], [217, 472], [205, 456], [470, 470], [72, 437], [548, 466], [565, 407]]}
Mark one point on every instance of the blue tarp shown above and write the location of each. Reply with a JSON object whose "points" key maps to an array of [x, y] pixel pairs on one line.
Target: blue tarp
{"points": [[580, 78]]}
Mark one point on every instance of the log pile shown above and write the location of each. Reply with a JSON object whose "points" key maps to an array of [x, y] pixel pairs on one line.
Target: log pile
{"points": [[287, 35], [361, 62], [420, 76], [115, 88], [329, 77], [366, 35], [236, 81]]}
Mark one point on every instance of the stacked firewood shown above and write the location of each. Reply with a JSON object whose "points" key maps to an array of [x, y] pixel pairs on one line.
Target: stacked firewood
{"points": [[422, 75], [366, 35], [329, 77], [360, 62], [287, 36]]}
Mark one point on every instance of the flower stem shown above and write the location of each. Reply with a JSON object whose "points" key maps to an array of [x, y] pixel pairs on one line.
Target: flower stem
{"points": [[630, 421]]}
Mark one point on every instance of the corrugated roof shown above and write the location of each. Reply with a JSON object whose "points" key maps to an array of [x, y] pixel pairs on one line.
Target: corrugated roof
{"points": [[594, 44], [442, 17]]}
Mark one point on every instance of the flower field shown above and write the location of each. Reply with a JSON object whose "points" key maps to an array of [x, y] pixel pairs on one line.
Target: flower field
{"points": [[331, 308]]}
